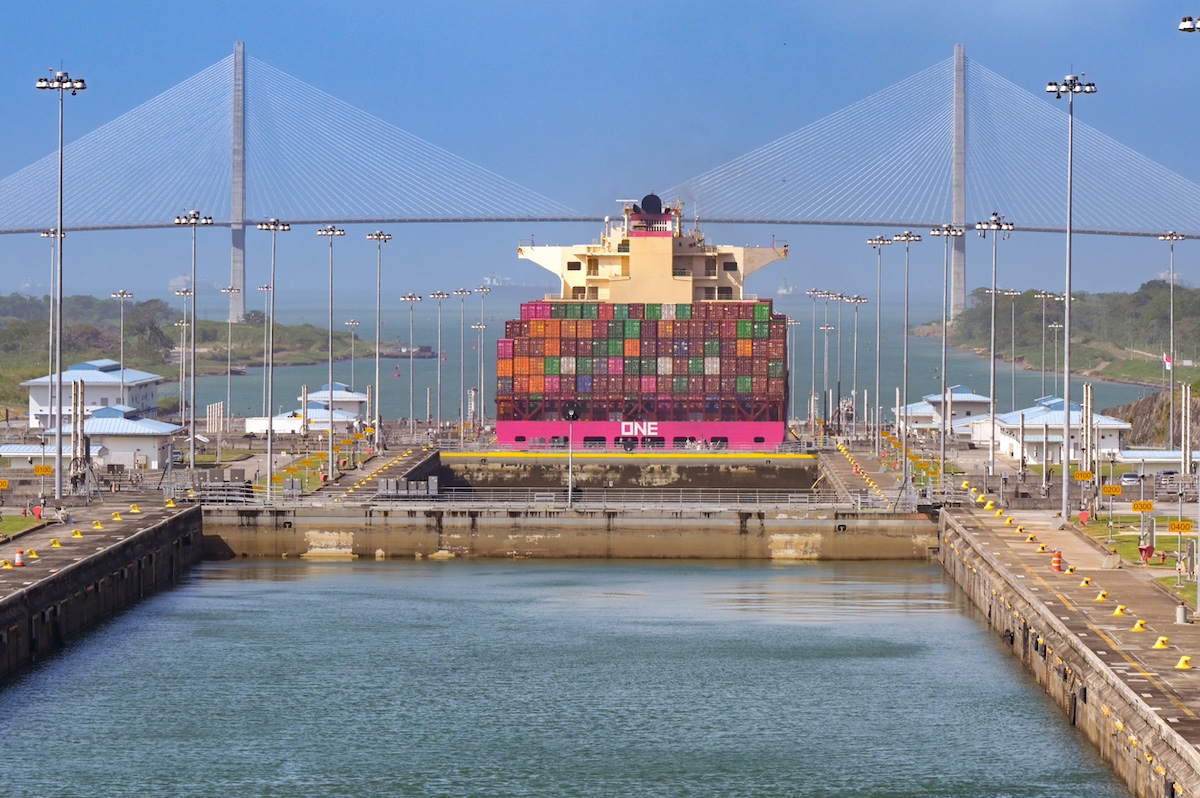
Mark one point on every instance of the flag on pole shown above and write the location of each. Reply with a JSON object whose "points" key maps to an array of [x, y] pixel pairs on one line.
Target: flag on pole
{"points": [[1166, 361]]}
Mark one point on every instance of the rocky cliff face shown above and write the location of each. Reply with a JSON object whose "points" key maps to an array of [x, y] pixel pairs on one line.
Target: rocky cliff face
{"points": [[1149, 417]]}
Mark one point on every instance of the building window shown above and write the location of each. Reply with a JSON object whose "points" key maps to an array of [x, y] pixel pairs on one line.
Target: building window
{"points": [[710, 267], [574, 265], [730, 266], [724, 292]]}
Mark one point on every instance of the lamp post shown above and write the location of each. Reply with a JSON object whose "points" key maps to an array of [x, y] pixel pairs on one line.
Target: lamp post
{"points": [[331, 232], [53, 235], [878, 243], [945, 232], [439, 296], [274, 227], [122, 295], [1070, 86], [792, 324], [62, 82], [1012, 329], [855, 300], [266, 291], [186, 294], [1171, 237], [479, 327], [570, 412], [380, 238], [193, 219], [908, 238], [1044, 295], [229, 291], [996, 224], [826, 328], [462, 294], [1056, 326], [353, 325], [812, 294], [411, 299], [483, 291]]}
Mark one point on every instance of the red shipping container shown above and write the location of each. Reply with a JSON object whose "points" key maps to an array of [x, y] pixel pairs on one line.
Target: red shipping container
{"points": [[712, 385], [712, 329], [637, 310], [729, 329], [679, 365], [777, 331], [633, 386], [649, 329], [583, 347], [728, 387], [760, 348], [537, 347], [761, 367], [569, 347], [544, 312], [775, 350], [695, 385], [759, 386], [667, 327], [776, 387], [606, 311], [504, 347], [521, 384], [521, 347], [729, 347]]}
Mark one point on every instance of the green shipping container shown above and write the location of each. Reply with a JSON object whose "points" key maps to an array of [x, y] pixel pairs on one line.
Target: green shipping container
{"points": [[762, 312], [633, 367], [574, 311], [583, 365], [683, 311], [745, 328], [774, 368], [744, 385], [558, 310], [633, 329], [621, 311], [552, 365], [761, 329], [654, 311], [649, 366], [679, 385], [616, 329], [712, 347], [616, 347], [591, 310], [696, 365]]}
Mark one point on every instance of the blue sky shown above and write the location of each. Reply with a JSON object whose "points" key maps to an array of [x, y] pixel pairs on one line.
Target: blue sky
{"points": [[590, 102]]}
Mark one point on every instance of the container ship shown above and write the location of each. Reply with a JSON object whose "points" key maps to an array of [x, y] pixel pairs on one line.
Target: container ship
{"points": [[650, 344]]}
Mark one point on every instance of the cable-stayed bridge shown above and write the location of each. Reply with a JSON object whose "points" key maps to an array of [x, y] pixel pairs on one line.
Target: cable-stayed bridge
{"points": [[951, 144]]}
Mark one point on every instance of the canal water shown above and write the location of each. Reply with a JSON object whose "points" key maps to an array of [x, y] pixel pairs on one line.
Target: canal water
{"points": [[544, 678]]}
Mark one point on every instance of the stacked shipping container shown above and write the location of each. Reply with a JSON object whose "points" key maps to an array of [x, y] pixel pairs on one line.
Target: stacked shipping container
{"points": [[705, 361]]}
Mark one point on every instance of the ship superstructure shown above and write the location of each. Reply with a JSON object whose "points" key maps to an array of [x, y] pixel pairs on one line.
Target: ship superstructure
{"points": [[651, 343]]}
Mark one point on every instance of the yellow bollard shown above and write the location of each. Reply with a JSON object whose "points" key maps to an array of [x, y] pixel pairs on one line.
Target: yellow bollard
{"points": [[966, 484], [170, 502], [1021, 530], [6, 565], [76, 534], [980, 499], [1042, 549], [1184, 664], [1070, 569], [999, 512], [991, 505], [54, 544], [117, 517], [1139, 626], [32, 554], [1031, 539], [1160, 643], [133, 508], [1101, 596], [1087, 582], [1119, 611], [1008, 521], [97, 525]]}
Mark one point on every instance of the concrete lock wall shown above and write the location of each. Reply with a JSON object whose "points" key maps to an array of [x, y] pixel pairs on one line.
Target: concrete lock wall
{"points": [[45, 616], [1142, 748], [379, 533]]}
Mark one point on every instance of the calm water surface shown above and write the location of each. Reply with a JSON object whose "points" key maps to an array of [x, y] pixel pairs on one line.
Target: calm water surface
{"points": [[538, 678]]}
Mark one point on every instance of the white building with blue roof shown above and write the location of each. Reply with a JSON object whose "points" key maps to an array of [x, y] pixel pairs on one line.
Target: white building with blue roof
{"points": [[131, 440], [1036, 432], [925, 417], [344, 399], [105, 383]]}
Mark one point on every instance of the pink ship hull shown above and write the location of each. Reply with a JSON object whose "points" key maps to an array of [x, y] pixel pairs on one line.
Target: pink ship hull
{"points": [[756, 435]]}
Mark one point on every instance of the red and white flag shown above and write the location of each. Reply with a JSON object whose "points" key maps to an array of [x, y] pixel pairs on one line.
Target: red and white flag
{"points": [[1166, 361]]}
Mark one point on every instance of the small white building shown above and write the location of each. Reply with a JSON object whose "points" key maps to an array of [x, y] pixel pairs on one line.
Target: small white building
{"points": [[102, 381], [1036, 432], [344, 399], [925, 417], [24, 456], [292, 422], [131, 440]]}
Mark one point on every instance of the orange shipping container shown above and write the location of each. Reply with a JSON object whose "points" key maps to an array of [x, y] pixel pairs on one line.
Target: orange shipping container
{"points": [[504, 368], [537, 384], [569, 328], [633, 347], [745, 347], [520, 367], [583, 328], [537, 328], [553, 347], [537, 366], [553, 328]]}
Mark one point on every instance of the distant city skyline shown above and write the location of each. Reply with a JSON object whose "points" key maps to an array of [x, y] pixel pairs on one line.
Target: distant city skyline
{"points": [[586, 104]]}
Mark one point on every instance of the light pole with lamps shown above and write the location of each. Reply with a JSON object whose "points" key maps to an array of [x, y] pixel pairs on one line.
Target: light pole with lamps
{"points": [[826, 328], [945, 232], [229, 291], [266, 292], [411, 299], [1056, 326], [908, 238], [192, 219], [1012, 329], [462, 294], [53, 235], [439, 296], [1171, 237], [479, 327], [274, 227], [122, 295], [996, 225], [1044, 295], [812, 294], [380, 238], [483, 291], [792, 324], [186, 294], [1070, 86], [331, 232], [878, 243], [353, 325], [62, 83], [855, 300]]}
